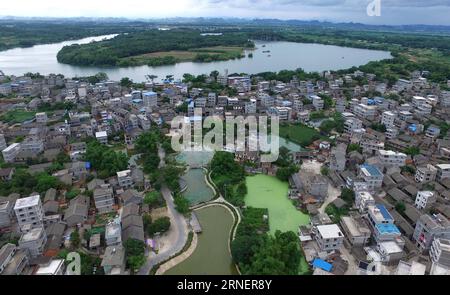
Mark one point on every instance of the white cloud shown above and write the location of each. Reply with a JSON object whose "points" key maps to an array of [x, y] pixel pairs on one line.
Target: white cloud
{"points": [[393, 11]]}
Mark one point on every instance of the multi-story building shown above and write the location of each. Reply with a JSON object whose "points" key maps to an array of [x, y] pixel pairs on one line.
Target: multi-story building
{"points": [[352, 124], [29, 212], [34, 241], [433, 131], [266, 99], [283, 113], [388, 119], [382, 224], [391, 158], [102, 137], [316, 185], [337, 158], [32, 145], [250, 106], [150, 99], [372, 176], [424, 199], [363, 200], [367, 112], [124, 178], [3, 144], [144, 122], [430, 227], [355, 230], [445, 99], [329, 237], [391, 133], [113, 233], [440, 254], [104, 199], [6, 212], [10, 153], [425, 174], [443, 171], [41, 118], [318, 102], [370, 146]]}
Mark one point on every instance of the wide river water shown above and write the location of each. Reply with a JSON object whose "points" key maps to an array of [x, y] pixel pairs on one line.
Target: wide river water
{"points": [[282, 56]]}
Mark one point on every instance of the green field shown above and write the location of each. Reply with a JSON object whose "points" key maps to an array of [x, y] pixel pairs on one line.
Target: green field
{"points": [[17, 116], [299, 133]]}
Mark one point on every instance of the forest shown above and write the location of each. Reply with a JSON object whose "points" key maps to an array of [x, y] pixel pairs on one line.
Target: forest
{"points": [[114, 52]]}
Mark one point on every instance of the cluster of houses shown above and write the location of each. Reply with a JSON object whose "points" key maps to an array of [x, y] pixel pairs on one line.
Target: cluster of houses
{"points": [[399, 217]]}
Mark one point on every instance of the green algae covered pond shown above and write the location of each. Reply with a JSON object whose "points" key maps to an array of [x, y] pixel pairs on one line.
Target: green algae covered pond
{"points": [[269, 192], [211, 256]]}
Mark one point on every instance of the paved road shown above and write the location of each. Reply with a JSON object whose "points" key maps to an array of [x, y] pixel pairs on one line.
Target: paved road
{"points": [[179, 229]]}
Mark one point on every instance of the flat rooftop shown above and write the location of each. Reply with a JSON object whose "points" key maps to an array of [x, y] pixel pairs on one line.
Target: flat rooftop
{"points": [[27, 202], [330, 231]]}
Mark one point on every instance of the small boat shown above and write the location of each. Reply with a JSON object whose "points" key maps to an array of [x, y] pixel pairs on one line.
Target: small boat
{"points": [[264, 45]]}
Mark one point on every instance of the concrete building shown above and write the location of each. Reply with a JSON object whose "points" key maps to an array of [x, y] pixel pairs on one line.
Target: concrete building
{"points": [[382, 224], [440, 252], [53, 268], [428, 228], [150, 99], [388, 119], [317, 186], [34, 241], [283, 113], [113, 262], [41, 118], [425, 174], [102, 137], [32, 145], [3, 144], [6, 212], [250, 106], [10, 153], [29, 212], [443, 171], [352, 124], [414, 269], [329, 237], [104, 199], [424, 199], [390, 252], [12, 260], [365, 111], [113, 233], [363, 200], [318, 102], [391, 158], [125, 179], [372, 176], [338, 158], [355, 230]]}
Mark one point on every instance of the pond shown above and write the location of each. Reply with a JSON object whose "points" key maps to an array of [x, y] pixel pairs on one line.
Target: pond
{"points": [[269, 192], [212, 255], [282, 56], [195, 158], [197, 190]]}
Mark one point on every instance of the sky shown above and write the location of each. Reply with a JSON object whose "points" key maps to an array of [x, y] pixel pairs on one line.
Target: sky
{"points": [[392, 12]]}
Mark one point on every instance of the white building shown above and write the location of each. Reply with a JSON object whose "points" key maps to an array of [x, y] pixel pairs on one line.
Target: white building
{"points": [[283, 113], [365, 111], [250, 106], [3, 144], [430, 227], [426, 174], [41, 118], [388, 119], [34, 241], [104, 199], [424, 199], [318, 102], [440, 254], [329, 237], [29, 212], [10, 153], [363, 200], [372, 176], [53, 268], [150, 99], [413, 269], [391, 158], [113, 233], [124, 178], [443, 171], [352, 124], [102, 137]]}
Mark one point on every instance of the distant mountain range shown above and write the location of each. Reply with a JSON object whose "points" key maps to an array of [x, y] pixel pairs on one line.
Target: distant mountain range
{"points": [[241, 22]]}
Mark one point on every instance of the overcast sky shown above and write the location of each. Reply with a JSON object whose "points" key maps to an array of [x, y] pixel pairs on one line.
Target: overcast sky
{"points": [[392, 11]]}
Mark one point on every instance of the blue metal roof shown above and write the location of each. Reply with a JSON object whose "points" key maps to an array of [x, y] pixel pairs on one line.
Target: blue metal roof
{"points": [[384, 212], [387, 228], [149, 93], [372, 169], [322, 264]]}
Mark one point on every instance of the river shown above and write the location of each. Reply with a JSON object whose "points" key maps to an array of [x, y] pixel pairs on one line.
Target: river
{"points": [[282, 55]]}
